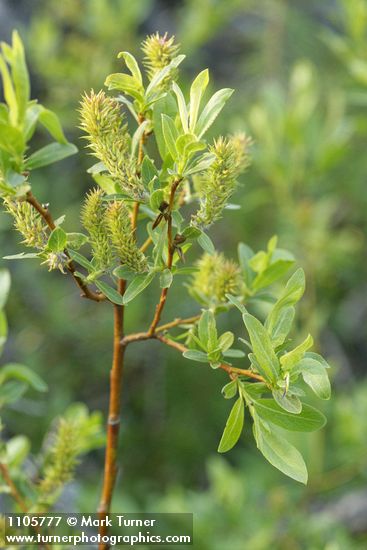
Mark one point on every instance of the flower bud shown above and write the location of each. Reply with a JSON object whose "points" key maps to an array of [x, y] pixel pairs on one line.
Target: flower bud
{"points": [[93, 219], [216, 277]]}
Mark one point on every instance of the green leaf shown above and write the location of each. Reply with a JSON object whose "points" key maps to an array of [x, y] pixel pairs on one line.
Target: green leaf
{"points": [[76, 240], [57, 240], [206, 243], [51, 122], [207, 331], [262, 347], [290, 359], [291, 294], [271, 274], [125, 83], [137, 285], [236, 302], [124, 272], [181, 107], [212, 110], [4, 286], [282, 326], [161, 75], [9, 92], [308, 420], [132, 65], [233, 428], [166, 278], [314, 374], [148, 170], [200, 165], [281, 454], [24, 374], [11, 140], [287, 401], [11, 391], [245, 253], [170, 134], [196, 355], [230, 390], [20, 76], [225, 341], [81, 260], [17, 450], [49, 154], [235, 353], [112, 294], [167, 105], [21, 256], [156, 199], [138, 134], [197, 90]]}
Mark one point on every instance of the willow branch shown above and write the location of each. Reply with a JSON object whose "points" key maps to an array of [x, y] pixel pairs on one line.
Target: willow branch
{"points": [[46, 215], [170, 253], [17, 496]]}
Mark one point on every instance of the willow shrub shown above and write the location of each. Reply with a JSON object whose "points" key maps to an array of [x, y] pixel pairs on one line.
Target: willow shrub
{"points": [[174, 201]]}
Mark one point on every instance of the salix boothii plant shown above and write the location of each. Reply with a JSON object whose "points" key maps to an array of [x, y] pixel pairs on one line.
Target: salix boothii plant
{"points": [[113, 264]]}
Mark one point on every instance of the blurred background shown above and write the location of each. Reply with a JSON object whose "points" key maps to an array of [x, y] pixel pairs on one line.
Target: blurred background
{"points": [[300, 73]]}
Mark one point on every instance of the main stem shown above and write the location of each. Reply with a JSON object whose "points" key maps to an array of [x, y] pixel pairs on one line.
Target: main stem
{"points": [[113, 424]]}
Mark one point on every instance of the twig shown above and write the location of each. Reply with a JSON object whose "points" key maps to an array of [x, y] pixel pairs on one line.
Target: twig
{"points": [[46, 215], [170, 253], [18, 497]]}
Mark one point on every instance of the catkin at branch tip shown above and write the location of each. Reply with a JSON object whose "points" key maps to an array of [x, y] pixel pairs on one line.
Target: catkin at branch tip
{"points": [[102, 121], [216, 277], [220, 180]]}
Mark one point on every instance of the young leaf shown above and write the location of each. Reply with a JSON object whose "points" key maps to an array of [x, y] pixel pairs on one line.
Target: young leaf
{"points": [[49, 154], [271, 274], [230, 389], [52, 124], [76, 240], [81, 260], [225, 341], [290, 359], [170, 134], [20, 76], [281, 454], [208, 331], [24, 374], [282, 326], [111, 293], [148, 170], [166, 278], [196, 355], [4, 286], [308, 420], [212, 110], [206, 243], [234, 427], [132, 65], [287, 401], [57, 240], [245, 253], [181, 107], [161, 75], [197, 90], [262, 347], [315, 376], [137, 285], [292, 293]]}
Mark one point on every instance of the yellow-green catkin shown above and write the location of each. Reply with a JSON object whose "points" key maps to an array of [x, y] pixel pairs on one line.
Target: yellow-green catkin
{"points": [[159, 51], [62, 461], [122, 238], [215, 278], [102, 121], [220, 180], [93, 219], [28, 222]]}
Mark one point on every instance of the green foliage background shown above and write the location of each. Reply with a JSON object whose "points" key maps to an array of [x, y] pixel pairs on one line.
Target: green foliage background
{"points": [[300, 74]]}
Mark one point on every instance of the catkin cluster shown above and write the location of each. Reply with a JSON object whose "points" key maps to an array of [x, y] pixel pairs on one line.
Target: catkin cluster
{"points": [[102, 121], [159, 52], [215, 278], [62, 461], [110, 235], [28, 222], [219, 181]]}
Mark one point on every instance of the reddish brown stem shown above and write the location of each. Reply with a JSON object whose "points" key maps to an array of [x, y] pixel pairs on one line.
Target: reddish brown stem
{"points": [[45, 214]]}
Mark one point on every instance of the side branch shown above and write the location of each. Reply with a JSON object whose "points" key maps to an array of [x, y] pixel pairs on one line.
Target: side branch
{"points": [[45, 214], [163, 297]]}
